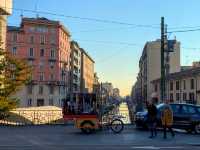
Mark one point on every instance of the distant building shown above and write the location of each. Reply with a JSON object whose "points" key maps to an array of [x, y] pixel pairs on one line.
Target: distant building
{"points": [[87, 72], [196, 64], [185, 67], [107, 89], [46, 46], [150, 67], [116, 93], [181, 87], [75, 68]]}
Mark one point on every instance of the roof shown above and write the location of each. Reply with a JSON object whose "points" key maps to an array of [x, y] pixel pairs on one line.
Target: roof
{"points": [[87, 54], [13, 28], [43, 21], [184, 73]]}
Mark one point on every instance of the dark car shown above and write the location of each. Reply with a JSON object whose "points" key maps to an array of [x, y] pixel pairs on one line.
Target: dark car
{"points": [[186, 116]]}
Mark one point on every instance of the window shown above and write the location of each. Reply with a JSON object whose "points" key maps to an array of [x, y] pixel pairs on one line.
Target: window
{"points": [[171, 86], [14, 37], [175, 108], [156, 87], [14, 50], [29, 102], [191, 96], [42, 39], [177, 85], [32, 29], [52, 53], [52, 39], [41, 76], [40, 102], [191, 110], [31, 52], [51, 89], [184, 84], [171, 97], [177, 96], [51, 102], [31, 39], [53, 30], [192, 84], [51, 63], [41, 52], [41, 64], [184, 96], [184, 109], [42, 29], [52, 77], [29, 89], [40, 89]]}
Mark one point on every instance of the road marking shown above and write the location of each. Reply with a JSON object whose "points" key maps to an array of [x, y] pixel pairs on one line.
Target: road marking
{"points": [[156, 148]]}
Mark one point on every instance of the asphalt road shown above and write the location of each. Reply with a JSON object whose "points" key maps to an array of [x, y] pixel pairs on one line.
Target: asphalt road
{"points": [[68, 138]]}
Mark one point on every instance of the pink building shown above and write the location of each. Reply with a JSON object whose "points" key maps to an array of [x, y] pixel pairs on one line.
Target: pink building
{"points": [[46, 46]]}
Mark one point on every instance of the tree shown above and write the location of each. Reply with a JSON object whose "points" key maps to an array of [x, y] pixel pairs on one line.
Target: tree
{"points": [[14, 74]]}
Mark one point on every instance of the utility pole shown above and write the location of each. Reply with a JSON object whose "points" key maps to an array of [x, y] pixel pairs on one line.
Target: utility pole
{"points": [[162, 58]]}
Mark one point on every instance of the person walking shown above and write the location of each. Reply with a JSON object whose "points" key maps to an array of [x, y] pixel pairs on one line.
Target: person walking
{"points": [[167, 119], [152, 118]]}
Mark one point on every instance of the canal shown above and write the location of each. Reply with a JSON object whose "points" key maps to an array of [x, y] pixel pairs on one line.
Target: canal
{"points": [[123, 110]]}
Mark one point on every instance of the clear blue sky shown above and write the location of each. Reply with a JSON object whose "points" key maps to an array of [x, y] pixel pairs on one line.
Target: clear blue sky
{"points": [[115, 62]]}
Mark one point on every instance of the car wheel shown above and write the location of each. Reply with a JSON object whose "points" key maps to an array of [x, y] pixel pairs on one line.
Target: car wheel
{"points": [[197, 128], [87, 127]]}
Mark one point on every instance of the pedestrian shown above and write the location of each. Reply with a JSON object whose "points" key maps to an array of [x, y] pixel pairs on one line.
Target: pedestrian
{"points": [[152, 118], [167, 119]]}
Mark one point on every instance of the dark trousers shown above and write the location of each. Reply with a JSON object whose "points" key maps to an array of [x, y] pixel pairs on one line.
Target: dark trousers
{"points": [[170, 130], [152, 127]]}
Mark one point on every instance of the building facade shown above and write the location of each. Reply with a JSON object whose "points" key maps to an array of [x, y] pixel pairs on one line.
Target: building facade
{"points": [[87, 72], [75, 68], [181, 87], [116, 93], [5, 10], [150, 66], [46, 46]]}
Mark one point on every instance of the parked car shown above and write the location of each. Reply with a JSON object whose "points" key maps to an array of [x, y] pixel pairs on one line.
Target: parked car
{"points": [[186, 116]]}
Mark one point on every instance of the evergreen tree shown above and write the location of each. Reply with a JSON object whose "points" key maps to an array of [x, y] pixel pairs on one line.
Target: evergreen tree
{"points": [[14, 74]]}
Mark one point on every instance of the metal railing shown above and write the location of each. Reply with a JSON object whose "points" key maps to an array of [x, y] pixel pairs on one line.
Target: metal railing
{"points": [[43, 117]]}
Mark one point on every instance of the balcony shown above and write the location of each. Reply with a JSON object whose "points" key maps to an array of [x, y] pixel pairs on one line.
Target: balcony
{"points": [[30, 57], [52, 58]]}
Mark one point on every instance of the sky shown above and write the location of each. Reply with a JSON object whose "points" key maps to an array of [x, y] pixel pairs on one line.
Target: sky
{"points": [[116, 48]]}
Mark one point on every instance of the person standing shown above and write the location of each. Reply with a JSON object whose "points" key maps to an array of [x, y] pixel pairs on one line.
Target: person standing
{"points": [[152, 119], [167, 120]]}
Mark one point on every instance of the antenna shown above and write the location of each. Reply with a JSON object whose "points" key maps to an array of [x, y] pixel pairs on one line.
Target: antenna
{"points": [[36, 8], [21, 14]]}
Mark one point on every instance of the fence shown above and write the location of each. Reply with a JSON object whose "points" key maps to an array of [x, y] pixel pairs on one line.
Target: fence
{"points": [[42, 117], [33, 117]]}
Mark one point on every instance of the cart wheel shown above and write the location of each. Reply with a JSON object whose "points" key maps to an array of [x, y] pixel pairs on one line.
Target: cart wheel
{"points": [[87, 127], [117, 125]]}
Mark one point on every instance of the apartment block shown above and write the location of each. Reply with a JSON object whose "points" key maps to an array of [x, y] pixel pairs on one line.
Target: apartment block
{"points": [[46, 46], [75, 68], [150, 66], [87, 72]]}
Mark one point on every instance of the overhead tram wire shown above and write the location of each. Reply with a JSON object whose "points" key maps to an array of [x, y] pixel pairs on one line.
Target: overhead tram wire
{"points": [[86, 18], [181, 31]]}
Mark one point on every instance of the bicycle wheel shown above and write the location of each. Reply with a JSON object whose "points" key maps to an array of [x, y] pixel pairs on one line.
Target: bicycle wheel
{"points": [[117, 125]]}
